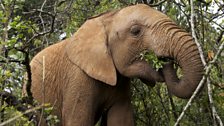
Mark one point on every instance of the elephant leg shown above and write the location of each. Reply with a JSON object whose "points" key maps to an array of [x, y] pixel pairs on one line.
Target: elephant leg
{"points": [[120, 114], [78, 110], [79, 107]]}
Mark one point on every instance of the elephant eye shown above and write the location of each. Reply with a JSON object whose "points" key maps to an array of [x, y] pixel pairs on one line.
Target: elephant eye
{"points": [[135, 30]]}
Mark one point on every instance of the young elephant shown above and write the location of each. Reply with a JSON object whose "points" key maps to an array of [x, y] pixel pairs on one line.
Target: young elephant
{"points": [[90, 72]]}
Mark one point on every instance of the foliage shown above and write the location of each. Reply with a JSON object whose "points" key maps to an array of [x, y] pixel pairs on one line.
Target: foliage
{"points": [[151, 58], [27, 26]]}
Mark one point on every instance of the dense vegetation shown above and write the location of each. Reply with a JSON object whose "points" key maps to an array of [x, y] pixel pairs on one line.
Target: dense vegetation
{"points": [[28, 26]]}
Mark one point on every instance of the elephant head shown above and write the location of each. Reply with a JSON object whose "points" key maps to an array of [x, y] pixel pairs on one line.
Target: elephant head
{"points": [[110, 44]]}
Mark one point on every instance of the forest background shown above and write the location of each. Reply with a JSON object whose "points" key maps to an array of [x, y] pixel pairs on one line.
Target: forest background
{"points": [[28, 26]]}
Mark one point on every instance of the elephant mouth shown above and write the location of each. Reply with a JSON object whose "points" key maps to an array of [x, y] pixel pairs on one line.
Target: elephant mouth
{"points": [[139, 57], [151, 58], [154, 61]]}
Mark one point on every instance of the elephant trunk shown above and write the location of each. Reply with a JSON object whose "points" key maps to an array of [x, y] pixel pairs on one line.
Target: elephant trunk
{"points": [[189, 60], [181, 47]]}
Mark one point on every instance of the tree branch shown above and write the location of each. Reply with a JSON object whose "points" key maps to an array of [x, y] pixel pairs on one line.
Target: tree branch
{"points": [[194, 34], [214, 112], [24, 113]]}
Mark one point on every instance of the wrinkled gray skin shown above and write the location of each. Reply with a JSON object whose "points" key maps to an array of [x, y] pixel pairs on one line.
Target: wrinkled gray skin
{"points": [[90, 72]]}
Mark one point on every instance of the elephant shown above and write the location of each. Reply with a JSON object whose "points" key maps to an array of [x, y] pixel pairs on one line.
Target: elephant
{"points": [[89, 73]]}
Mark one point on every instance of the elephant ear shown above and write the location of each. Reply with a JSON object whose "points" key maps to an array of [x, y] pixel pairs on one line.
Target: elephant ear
{"points": [[88, 50]]}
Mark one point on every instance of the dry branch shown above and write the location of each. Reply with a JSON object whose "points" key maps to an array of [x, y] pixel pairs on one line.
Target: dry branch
{"points": [[20, 115]]}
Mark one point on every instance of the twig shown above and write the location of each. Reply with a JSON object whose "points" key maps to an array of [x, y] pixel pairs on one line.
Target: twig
{"points": [[158, 3], [5, 60], [212, 21], [42, 21], [21, 114], [214, 112], [3, 7], [183, 11], [40, 11], [38, 35], [194, 34], [69, 6], [175, 115], [207, 70]]}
